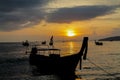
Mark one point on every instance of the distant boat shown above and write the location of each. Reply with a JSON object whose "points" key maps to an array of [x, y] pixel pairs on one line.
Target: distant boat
{"points": [[54, 63], [26, 43], [43, 43], [98, 43]]}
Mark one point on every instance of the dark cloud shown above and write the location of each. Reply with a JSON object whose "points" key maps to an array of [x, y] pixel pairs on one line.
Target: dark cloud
{"points": [[10, 5], [66, 15], [13, 20], [14, 13], [17, 14]]}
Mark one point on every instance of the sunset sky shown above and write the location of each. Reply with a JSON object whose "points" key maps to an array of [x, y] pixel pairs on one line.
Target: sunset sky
{"points": [[64, 19]]}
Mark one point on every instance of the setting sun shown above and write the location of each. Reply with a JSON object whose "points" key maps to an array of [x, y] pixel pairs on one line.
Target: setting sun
{"points": [[70, 33]]}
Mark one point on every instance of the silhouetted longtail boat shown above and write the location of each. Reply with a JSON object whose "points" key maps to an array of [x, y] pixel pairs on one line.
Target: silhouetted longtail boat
{"points": [[54, 63]]}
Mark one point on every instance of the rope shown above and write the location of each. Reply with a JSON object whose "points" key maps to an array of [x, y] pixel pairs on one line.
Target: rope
{"points": [[101, 68]]}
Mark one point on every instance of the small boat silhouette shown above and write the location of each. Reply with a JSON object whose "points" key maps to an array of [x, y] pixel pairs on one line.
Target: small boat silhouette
{"points": [[26, 43], [98, 43]]}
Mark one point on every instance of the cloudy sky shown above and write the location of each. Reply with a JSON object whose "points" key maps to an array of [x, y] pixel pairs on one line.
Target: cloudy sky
{"points": [[64, 19]]}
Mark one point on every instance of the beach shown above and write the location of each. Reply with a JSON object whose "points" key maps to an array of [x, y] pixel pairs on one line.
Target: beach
{"points": [[102, 61]]}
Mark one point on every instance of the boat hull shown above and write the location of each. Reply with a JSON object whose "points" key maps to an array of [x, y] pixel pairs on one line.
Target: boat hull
{"points": [[55, 64]]}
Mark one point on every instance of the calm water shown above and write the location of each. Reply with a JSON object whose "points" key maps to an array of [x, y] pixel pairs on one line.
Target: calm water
{"points": [[103, 62]]}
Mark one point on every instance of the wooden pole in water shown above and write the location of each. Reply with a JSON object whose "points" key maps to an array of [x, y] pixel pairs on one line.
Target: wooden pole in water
{"points": [[83, 51]]}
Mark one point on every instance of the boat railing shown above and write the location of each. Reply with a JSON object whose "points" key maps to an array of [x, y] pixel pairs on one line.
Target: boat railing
{"points": [[49, 50]]}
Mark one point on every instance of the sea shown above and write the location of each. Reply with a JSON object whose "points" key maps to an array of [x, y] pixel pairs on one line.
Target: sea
{"points": [[102, 63]]}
